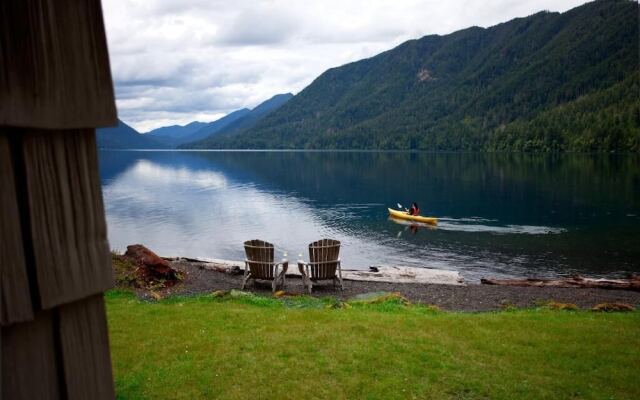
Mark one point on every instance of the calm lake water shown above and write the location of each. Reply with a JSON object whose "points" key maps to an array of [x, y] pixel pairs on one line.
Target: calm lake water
{"points": [[500, 214]]}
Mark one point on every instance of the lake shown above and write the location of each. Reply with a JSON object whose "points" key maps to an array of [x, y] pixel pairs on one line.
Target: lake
{"points": [[500, 214]]}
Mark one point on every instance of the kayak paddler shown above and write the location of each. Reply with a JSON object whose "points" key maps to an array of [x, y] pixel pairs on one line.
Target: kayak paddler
{"points": [[414, 210]]}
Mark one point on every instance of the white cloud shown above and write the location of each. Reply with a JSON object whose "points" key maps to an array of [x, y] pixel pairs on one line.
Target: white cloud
{"points": [[178, 61]]}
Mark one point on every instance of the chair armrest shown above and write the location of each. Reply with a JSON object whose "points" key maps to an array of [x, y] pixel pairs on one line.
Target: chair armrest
{"points": [[301, 265], [284, 264]]}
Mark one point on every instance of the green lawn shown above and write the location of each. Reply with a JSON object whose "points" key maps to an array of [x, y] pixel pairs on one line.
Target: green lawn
{"points": [[205, 347]]}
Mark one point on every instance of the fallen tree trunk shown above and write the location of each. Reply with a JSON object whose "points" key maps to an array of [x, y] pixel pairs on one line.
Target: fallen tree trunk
{"points": [[631, 283]]}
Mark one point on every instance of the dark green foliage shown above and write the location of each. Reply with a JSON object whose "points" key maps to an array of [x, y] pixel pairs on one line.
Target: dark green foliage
{"points": [[603, 120], [548, 82]]}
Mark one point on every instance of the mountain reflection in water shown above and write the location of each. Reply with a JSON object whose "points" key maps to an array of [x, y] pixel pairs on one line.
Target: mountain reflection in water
{"points": [[500, 214]]}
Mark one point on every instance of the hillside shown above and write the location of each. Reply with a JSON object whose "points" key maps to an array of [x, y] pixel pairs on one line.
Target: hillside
{"points": [[192, 135], [214, 127], [122, 136], [175, 134], [247, 120], [549, 81]]}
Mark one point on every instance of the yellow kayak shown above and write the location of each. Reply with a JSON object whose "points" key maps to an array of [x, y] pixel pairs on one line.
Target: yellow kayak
{"points": [[418, 218]]}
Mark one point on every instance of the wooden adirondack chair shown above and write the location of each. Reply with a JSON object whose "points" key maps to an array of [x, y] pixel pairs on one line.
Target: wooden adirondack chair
{"points": [[259, 264], [324, 263]]}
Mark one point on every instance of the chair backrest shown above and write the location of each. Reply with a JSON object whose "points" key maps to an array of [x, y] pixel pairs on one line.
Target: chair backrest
{"points": [[323, 257], [260, 258]]}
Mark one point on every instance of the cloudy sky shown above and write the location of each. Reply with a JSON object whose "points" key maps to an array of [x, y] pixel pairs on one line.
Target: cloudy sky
{"points": [[177, 61]]}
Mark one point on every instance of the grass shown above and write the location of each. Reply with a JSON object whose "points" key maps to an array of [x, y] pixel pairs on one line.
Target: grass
{"points": [[255, 347], [123, 269]]}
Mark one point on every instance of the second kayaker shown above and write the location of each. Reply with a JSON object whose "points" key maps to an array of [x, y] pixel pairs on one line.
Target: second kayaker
{"points": [[414, 210]]}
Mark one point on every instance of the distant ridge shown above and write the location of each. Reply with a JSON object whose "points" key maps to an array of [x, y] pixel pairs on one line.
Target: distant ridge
{"points": [[216, 126], [547, 82], [191, 135], [245, 121], [122, 136], [174, 134]]}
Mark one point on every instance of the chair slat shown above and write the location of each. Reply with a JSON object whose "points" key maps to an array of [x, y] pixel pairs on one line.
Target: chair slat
{"points": [[260, 263], [321, 253], [261, 253]]}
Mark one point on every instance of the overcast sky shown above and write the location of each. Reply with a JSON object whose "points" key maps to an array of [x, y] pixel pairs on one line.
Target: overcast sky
{"points": [[177, 61]]}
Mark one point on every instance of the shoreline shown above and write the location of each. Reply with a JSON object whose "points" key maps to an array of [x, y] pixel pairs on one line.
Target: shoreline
{"points": [[390, 274], [206, 276]]}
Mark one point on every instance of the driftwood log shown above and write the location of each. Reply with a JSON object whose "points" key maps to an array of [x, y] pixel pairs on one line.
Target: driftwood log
{"points": [[631, 283], [231, 270]]}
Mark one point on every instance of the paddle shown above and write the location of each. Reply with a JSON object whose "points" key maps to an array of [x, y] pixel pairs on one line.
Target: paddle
{"points": [[400, 206]]}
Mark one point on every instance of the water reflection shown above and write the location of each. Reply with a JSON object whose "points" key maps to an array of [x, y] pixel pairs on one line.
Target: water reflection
{"points": [[178, 211], [499, 214]]}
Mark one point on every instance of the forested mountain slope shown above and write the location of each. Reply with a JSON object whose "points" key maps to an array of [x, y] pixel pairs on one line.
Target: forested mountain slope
{"points": [[549, 81]]}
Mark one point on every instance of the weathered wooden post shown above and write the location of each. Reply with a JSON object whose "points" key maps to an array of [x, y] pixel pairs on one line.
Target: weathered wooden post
{"points": [[55, 89]]}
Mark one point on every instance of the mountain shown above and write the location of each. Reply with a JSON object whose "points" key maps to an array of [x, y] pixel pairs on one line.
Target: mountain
{"points": [[122, 136], [259, 112], [548, 82], [173, 135], [213, 127], [176, 131], [246, 121]]}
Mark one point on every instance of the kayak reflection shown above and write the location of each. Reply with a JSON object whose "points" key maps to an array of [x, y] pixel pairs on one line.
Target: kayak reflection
{"points": [[411, 226]]}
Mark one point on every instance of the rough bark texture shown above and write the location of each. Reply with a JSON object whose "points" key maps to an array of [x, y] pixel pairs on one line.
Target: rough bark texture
{"points": [[29, 365], [15, 296], [85, 350], [55, 89], [68, 229], [55, 67]]}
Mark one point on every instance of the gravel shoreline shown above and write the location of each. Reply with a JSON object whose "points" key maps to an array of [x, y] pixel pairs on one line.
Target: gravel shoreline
{"points": [[472, 297]]}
